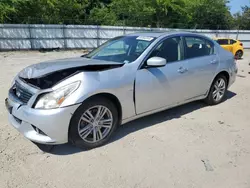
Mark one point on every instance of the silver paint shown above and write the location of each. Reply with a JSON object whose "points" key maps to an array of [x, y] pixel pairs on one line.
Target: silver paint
{"points": [[140, 91]]}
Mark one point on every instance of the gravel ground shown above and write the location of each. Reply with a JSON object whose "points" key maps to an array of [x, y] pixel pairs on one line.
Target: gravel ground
{"points": [[189, 146]]}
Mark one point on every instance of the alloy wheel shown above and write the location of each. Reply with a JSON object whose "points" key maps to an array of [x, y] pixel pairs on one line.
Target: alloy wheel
{"points": [[219, 89], [95, 124]]}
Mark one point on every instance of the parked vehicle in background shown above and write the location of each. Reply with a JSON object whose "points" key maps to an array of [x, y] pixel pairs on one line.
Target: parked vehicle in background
{"points": [[84, 99], [234, 46]]}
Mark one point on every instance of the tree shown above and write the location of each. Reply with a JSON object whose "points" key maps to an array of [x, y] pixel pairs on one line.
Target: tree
{"points": [[204, 14], [210, 14], [51, 11], [102, 16], [156, 13], [132, 12], [243, 20], [170, 13], [7, 9]]}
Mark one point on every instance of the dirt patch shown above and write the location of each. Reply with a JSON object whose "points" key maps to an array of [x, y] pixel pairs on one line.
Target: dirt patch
{"points": [[189, 146]]}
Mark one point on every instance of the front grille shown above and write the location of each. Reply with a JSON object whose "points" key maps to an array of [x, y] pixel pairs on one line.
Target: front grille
{"points": [[22, 93]]}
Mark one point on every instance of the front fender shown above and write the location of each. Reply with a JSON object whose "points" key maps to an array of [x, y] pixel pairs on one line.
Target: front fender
{"points": [[117, 82]]}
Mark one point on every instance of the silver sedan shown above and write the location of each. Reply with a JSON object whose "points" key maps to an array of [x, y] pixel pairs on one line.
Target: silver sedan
{"points": [[84, 99]]}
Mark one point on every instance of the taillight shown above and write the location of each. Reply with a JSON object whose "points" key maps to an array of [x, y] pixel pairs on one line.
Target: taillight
{"points": [[241, 44]]}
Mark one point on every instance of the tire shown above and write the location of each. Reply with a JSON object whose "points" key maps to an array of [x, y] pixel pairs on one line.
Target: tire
{"points": [[211, 98], [82, 123], [239, 54]]}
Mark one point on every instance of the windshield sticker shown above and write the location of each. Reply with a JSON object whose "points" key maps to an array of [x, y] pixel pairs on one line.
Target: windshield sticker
{"points": [[145, 38]]}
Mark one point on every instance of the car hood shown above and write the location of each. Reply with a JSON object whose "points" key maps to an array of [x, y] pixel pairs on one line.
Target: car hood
{"points": [[44, 68]]}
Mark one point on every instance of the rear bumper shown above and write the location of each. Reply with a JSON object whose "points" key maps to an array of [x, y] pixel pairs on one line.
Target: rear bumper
{"points": [[52, 124], [233, 72]]}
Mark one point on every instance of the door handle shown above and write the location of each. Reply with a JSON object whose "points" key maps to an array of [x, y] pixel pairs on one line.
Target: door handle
{"points": [[182, 70], [213, 62]]}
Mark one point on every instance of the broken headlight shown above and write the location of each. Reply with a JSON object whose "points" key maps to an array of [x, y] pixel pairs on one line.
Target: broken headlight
{"points": [[55, 98]]}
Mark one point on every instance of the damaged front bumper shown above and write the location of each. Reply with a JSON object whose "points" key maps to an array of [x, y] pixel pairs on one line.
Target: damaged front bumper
{"points": [[41, 126]]}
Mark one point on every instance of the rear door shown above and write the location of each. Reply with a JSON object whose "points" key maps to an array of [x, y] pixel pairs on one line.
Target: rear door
{"points": [[225, 43], [202, 64]]}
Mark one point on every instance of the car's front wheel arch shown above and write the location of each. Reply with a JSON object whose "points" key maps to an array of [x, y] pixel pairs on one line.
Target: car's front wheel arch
{"points": [[91, 123], [111, 98]]}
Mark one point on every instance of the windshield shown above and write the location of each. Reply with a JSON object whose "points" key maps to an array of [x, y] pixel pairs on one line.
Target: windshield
{"points": [[123, 49]]}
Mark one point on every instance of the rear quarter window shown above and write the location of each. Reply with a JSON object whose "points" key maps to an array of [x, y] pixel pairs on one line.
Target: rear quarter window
{"points": [[232, 41]]}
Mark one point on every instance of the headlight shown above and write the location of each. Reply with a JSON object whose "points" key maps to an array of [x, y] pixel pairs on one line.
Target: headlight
{"points": [[56, 98]]}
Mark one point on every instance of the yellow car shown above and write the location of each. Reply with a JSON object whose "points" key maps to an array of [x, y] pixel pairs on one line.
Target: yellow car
{"points": [[234, 46]]}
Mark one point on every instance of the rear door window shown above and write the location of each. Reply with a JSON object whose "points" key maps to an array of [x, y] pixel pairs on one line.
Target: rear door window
{"points": [[222, 41], [198, 47], [232, 41]]}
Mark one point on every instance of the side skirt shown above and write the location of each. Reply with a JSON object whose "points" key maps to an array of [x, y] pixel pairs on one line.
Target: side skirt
{"points": [[161, 109]]}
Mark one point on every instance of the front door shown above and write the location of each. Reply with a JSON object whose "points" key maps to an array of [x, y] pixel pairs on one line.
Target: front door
{"points": [[157, 87]]}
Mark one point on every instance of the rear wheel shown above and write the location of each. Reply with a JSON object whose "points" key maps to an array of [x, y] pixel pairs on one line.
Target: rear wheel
{"points": [[93, 123], [217, 91], [239, 54]]}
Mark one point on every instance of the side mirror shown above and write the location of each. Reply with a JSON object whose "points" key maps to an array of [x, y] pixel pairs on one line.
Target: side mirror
{"points": [[156, 62]]}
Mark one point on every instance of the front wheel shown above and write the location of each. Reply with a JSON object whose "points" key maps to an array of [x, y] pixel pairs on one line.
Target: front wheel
{"points": [[217, 91], [93, 123]]}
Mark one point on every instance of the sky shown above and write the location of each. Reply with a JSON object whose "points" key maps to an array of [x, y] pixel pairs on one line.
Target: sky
{"points": [[236, 5]]}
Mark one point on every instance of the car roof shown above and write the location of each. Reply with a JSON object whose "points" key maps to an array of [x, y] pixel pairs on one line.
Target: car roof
{"points": [[159, 34], [224, 39]]}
